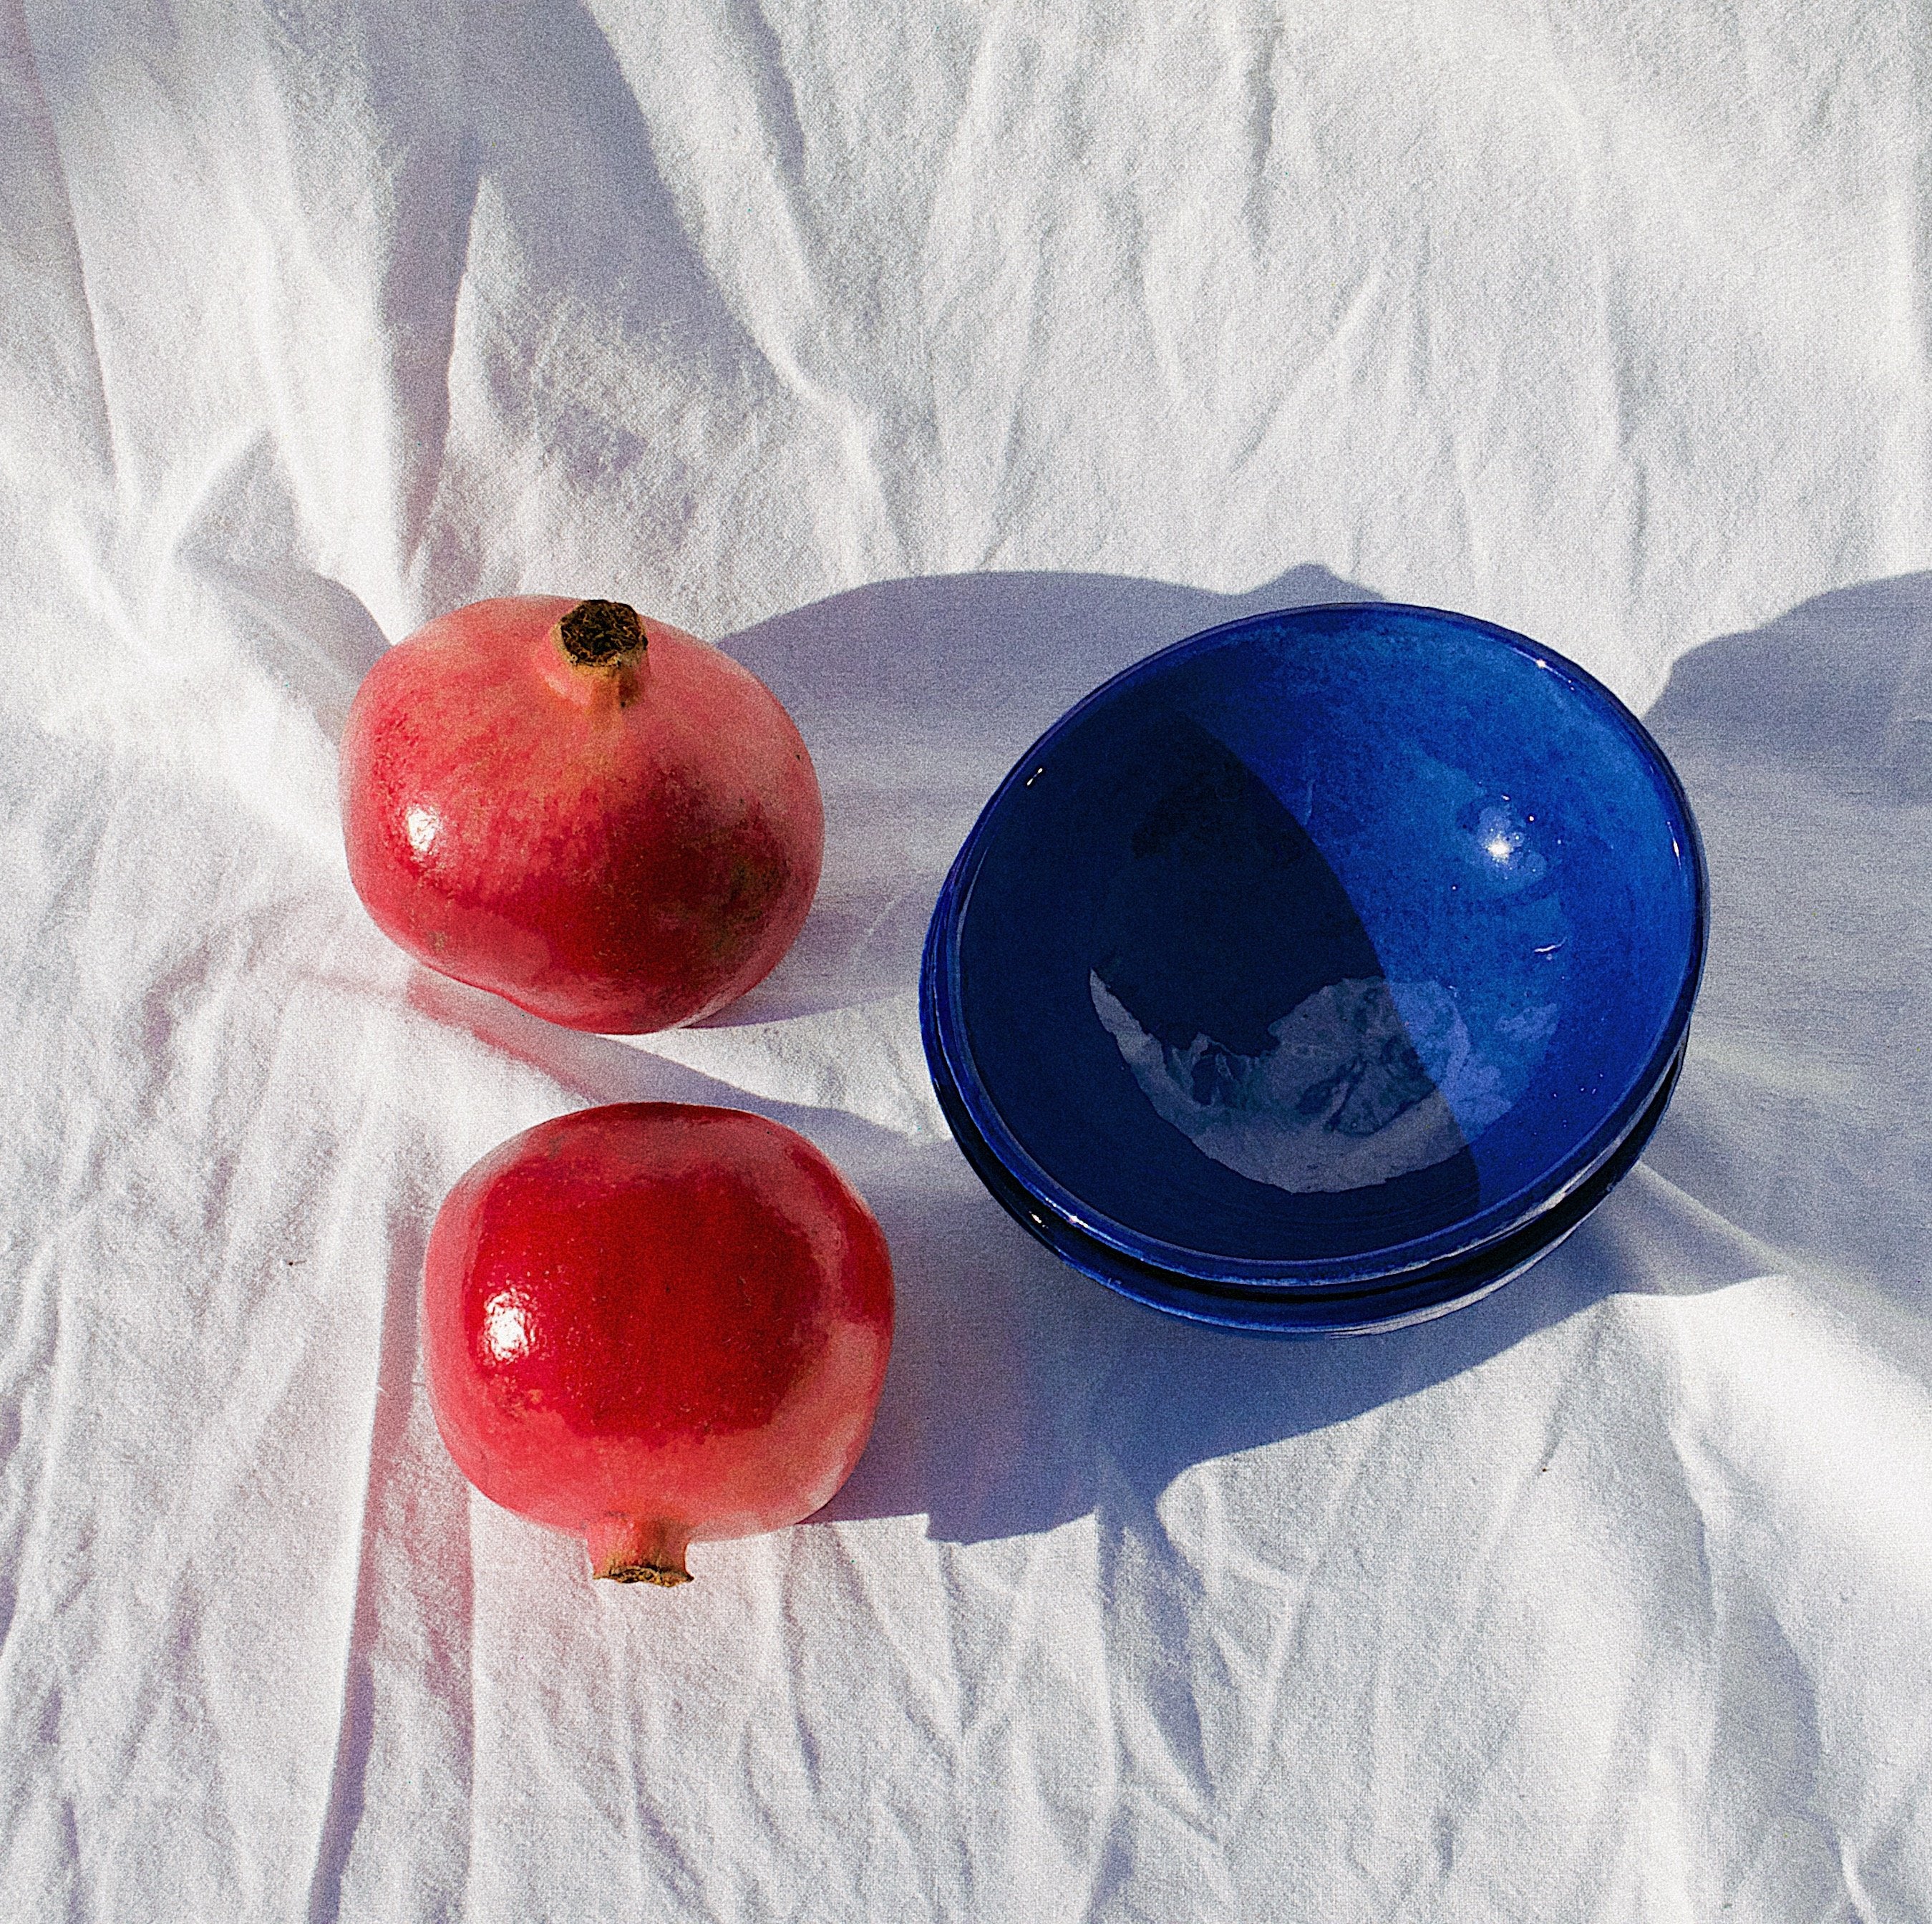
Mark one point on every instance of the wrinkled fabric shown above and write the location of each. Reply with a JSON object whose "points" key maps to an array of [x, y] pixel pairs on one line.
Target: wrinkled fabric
{"points": [[938, 366]]}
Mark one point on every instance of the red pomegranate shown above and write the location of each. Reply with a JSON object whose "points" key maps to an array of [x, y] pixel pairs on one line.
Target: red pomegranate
{"points": [[596, 815], [653, 1323]]}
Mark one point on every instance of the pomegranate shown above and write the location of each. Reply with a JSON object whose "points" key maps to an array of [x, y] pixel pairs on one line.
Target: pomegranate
{"points": [[596, 815], [652, 1324]]}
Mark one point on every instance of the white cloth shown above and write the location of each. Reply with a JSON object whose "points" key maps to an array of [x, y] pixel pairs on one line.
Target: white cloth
{"points": [[937, 360]]}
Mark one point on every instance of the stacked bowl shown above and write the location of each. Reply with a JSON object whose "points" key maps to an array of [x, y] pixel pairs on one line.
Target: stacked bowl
{"points": [[1319, 973]]}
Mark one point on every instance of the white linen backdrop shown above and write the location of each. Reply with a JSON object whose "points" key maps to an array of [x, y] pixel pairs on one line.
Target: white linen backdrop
{"points": [[936, 360]]}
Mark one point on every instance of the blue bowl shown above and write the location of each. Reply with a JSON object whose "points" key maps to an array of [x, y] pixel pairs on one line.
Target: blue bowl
{"points": [[1319, 972]]}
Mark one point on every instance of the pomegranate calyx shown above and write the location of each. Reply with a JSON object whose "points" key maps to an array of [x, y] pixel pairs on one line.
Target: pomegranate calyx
{"points": [[602, 634], [627, 1550], [646, 1573], [594, 656]]}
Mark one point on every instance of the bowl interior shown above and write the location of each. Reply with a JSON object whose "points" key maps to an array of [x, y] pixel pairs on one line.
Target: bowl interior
{"points": [[1330, 940]]}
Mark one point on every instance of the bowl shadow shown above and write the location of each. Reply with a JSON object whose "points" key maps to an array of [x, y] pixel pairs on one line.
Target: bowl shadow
{"points": [[1806, 745], [1023, 1395]]}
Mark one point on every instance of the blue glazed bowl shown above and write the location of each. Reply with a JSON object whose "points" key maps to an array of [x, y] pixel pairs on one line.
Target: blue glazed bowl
{"points": [[1320, 973]]}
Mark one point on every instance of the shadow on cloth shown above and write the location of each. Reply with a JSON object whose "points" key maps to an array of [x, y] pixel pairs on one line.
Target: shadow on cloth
{"points": [[1806, 748], [915, 697], [1022, 1395]]}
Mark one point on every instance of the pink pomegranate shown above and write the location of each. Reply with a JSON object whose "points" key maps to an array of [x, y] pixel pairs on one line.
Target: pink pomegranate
{"points": [[594, 815]]}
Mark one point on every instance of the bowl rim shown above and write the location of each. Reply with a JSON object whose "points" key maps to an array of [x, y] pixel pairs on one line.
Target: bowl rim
{"points": [[948, 1050]]}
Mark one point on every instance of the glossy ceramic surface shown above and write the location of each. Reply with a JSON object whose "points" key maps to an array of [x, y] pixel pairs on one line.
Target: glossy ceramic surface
{"points": [[1328, 965]]}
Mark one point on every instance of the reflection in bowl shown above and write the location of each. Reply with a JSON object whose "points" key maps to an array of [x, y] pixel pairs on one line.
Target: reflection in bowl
{"points": [[1324, 959]]}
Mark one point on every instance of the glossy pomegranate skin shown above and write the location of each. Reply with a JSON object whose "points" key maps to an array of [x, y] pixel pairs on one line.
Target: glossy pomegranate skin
{"points": [[616, 852], [652, 1324]]}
